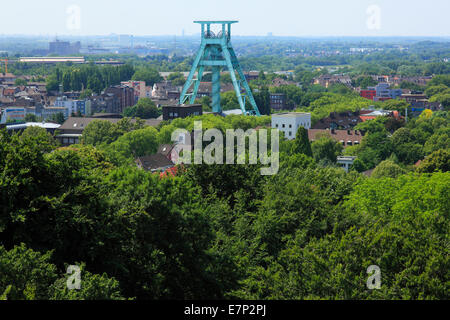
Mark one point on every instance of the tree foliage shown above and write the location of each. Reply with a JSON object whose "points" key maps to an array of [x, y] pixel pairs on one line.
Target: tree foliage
{"points": [[145, 108], [301, 143], [224, 231]]}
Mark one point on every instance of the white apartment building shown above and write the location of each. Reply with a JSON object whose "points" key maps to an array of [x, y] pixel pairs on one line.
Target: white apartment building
{"points": [[289, 122]]}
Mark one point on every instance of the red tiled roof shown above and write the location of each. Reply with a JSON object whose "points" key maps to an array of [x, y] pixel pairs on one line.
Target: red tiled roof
{"points": [[365, 118], [338, 135], [9, 92]]}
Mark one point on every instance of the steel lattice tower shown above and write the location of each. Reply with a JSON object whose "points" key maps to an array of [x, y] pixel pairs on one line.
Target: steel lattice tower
{"points": [[216, 52]]}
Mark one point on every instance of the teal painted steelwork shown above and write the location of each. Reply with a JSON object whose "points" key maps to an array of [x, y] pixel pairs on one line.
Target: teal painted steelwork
{"points": [[216, 52]]}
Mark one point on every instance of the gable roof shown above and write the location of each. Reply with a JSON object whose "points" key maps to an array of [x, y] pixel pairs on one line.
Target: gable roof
{"points": [[154, 162], [165, 149]]}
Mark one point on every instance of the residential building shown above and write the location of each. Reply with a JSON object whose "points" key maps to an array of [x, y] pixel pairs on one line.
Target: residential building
{"points": [[368, 93], [278, 101], [124, 94], [204, 89], [48, 112], [139, 87], [181, 111], [64, 47], [251, 75], [383, 92], [13, 114], [345, 137], [277, 82], [9, 92], [413, 97], [164, 102], [326, 80], [419, 80], [341, 120], [154, 163], [160, 90], [104, 103], [71, 106], [289, 122]]}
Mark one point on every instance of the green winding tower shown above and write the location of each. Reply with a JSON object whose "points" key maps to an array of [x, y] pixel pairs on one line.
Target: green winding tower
{"points": [[216, 52]]}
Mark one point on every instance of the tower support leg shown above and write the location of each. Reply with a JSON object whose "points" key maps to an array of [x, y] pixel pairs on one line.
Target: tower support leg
{"points": [[238, 68], [216, 89], [188, 83], [237, 87]]}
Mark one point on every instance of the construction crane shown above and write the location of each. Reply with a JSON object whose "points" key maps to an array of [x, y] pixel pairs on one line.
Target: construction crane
{"points": [[6, 65]]}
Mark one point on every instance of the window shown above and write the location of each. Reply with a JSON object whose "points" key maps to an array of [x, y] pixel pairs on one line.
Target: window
{"points": [[276, 126], [290, 133], [290, 126], [282, 125]]}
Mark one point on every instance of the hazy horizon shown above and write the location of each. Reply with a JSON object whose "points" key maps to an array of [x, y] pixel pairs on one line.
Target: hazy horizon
{"points": [[285, 18]]}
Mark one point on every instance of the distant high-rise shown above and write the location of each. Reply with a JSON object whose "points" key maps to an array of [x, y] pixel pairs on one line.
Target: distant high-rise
{"points": [[64, 47]]}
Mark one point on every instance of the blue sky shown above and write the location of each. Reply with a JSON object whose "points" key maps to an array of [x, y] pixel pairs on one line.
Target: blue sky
{"points": [[257, 17]]}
